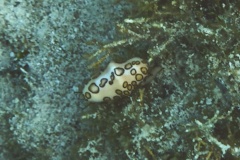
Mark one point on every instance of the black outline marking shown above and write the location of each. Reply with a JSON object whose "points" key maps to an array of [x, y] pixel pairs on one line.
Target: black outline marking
{"points": [[144, 70], [87, 94], [103, 82], [93, 85], [136, 77], [115, 98], [130, 87], [110, 82], [134, 83], [128, 66], [112, 76], [119, 70], [137, 62], [106, 99], [133, 70], [118, 92], [125, 84], [126, 93]]}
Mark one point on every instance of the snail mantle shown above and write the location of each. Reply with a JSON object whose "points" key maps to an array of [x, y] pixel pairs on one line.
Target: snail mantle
{"points": [[118, 79]]}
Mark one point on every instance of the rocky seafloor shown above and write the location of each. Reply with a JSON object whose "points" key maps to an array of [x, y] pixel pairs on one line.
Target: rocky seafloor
{"points": [[49, 49]]}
